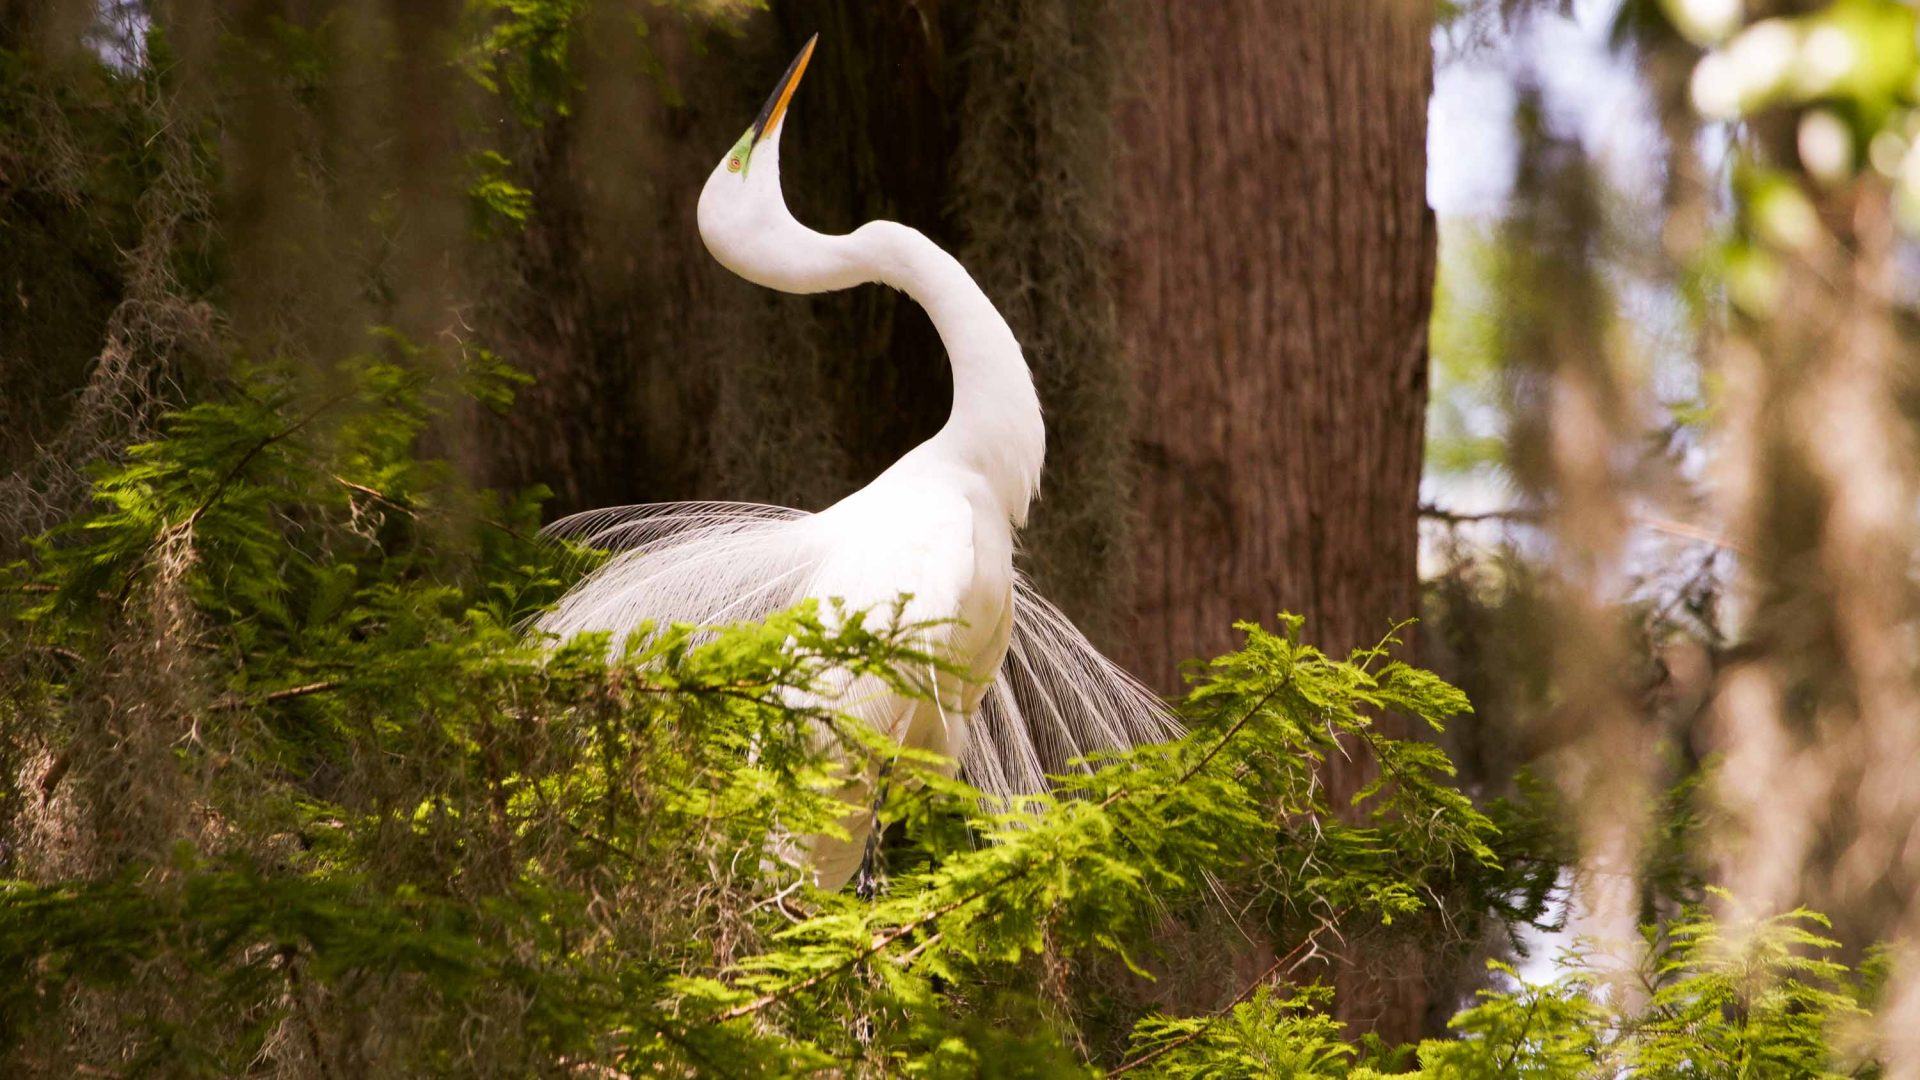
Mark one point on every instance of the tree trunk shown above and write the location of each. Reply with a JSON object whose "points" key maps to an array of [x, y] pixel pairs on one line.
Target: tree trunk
{"points": [[1278, 269]]}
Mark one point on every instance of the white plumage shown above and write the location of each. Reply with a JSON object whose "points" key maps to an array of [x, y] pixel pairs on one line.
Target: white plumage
{"points": [[938, 525]]}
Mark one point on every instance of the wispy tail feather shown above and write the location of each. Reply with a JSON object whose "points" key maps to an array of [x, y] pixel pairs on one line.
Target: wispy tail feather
{"points": [[1055, 700]]}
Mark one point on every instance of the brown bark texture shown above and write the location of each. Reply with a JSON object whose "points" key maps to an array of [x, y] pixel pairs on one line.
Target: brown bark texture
{"points": [[1278, 260], [1276, 283]]}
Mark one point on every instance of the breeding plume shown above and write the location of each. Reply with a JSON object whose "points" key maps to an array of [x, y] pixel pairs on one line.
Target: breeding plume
{"points": [[938, 525]]}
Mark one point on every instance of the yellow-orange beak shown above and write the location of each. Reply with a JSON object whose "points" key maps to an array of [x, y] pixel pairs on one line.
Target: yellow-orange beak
{"points": [[776, 106]]}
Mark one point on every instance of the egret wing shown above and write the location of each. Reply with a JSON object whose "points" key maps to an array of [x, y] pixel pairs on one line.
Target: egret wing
{"points": [[622, 528], [1056, 700], [704, 563]]}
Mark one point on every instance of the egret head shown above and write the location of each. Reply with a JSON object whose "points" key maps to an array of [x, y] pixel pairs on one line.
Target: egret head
{"points": [[742, 198], [766, 127]]}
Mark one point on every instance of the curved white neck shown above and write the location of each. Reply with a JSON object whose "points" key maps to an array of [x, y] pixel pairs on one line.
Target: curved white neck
{"points": [[995, 428]]}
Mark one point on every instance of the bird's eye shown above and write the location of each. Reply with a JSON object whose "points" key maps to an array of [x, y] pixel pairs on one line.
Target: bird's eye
{"points": [[733, 164]]}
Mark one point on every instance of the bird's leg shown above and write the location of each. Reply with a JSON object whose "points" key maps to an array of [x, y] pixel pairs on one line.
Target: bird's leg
{"points": [[869, 879]]}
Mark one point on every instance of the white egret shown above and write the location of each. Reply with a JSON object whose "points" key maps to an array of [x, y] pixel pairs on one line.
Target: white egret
{"points": [[938, 525]]}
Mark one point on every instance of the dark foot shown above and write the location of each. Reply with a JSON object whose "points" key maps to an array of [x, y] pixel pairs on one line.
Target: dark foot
{"points": [[868, 881]]}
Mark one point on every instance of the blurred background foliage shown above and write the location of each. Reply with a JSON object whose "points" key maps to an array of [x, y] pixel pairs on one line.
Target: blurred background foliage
{"points": [[1669, 516], [260, 660]]}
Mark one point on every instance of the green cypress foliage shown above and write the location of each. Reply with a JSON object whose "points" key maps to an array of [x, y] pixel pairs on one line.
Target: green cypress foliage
{"points": [[289, 791]]}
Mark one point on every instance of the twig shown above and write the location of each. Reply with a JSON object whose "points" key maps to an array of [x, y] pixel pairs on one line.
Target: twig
{"points": [[1453, 517], [392, 503], [1534, 515], [880, 943], [302, 691], [1245, 718], [246, 459], [907, 958], [1238, 999], [1526, 1025], [185, 525], [281, 695], [777, 900], [377, 496]]}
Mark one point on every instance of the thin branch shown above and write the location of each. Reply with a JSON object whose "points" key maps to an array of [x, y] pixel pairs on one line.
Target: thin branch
{"points": [[394, 504], [1534, 516], [1526, 1025], [185, 525], [302, 691], [281, 695], [377, 496], [1452, 517], [880, 944], [1391, 638], [246, 459], [907, 958], [777, 900], [1221, 744], [1246, 992], [604, 844]]}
